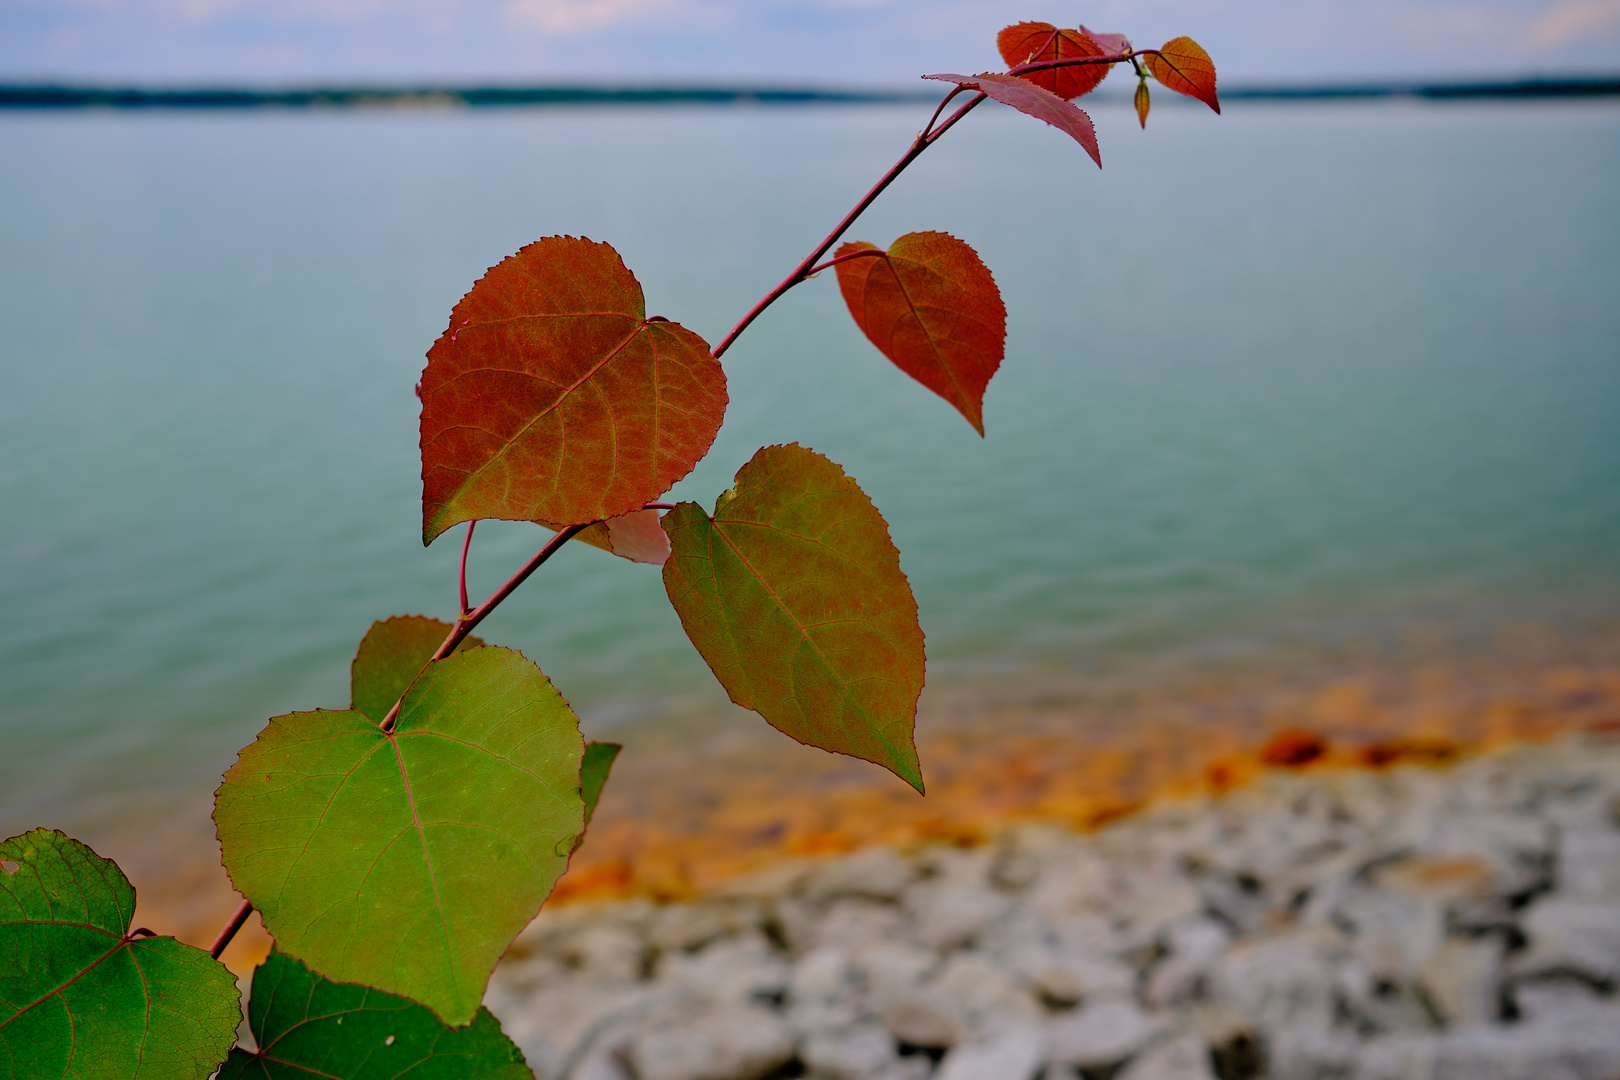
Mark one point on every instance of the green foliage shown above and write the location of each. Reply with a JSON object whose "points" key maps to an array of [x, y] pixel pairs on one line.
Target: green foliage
{"points": [[593, 773], [401, 845], [78, 997], [306, 1026], [793, 593], [390, 656], [408, 859]]}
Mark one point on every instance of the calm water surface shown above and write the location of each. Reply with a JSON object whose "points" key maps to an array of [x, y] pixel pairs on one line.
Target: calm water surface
{"points": [[1276, 380]]}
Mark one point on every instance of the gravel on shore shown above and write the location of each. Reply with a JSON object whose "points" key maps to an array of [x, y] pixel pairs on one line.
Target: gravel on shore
{"points": [[1399, 924]]}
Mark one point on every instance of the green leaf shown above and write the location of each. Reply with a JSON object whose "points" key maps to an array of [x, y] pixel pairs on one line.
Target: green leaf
{"points": [[793, 593], [391, 654], [409, 860], [593, 773], [308, 1027], [78, 998]]}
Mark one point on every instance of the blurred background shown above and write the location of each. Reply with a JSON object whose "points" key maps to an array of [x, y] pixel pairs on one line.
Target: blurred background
{"points": [[1310, 416]]}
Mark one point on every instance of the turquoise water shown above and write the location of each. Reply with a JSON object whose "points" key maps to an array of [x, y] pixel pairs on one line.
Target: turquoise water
{"points": [[1275, 380]]}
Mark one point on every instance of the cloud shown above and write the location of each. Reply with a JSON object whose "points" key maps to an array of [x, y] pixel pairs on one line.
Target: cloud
{"points": [[1573, 20], [585, 16]]}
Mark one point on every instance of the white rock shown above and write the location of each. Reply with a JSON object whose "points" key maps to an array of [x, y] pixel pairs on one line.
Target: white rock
{"points": [[734, 969], [876, 873], [737, 1042], [607, 951], [563, 1022], [1463, 979], [985, 993], [1392, 933], [821, 991], [1101, 1033], [947, 915], [893, 965], [921, 1016], [1281, 980], [1193, 947], [858, 1052], [1064, 978], [1182, 1057], [1309, 1051], [1396, 1057], [1009, 1055], [1589, 864], [687, 926], [1570, 935], [854, 922]]}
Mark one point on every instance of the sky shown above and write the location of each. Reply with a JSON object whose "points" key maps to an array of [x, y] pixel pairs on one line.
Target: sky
{"points": [[867, 42]]}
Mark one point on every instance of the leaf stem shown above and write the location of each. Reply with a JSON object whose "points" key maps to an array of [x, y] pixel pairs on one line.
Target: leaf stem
{"points": [[923, 141], [469, 619], [226, 934], [830, 263], [1077, 61], [465, 546]]}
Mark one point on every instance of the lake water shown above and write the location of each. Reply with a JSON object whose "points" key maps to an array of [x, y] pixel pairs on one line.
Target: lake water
{"points": [[1292, 389]]}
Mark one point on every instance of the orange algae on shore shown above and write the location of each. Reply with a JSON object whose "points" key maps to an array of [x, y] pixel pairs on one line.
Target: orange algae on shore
{"points": [[679, 821], [693, 805]]}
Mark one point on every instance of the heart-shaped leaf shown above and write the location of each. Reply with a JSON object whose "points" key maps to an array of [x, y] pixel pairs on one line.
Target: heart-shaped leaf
{"points": [[1183, 66], [1036, 101], [393, 652], [552, 396], [593, 773], [309, 1027], [793, 593], [636, 536], [79, 998], [930, 305], [1034, 42], [1112, 44], [408, 860]]}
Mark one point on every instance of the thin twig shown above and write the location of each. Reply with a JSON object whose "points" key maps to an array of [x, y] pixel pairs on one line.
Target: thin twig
{"points": [[1077, 61], [830, 263], [922, 142], [466, 545], [230, 929], [466, 621]]}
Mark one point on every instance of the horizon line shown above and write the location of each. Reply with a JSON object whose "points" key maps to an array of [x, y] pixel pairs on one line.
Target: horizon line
{"points": [[62, 95]]}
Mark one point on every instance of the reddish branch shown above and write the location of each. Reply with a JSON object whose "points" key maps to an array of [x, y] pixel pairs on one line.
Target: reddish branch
{"points": [[466, 620], [230, 929]]}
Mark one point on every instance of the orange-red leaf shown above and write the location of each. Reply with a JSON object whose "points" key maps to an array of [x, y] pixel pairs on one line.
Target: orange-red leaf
{"points": [[794, 595], [552, 397], [1036, 101], [1112, 44], [1142, 102], [636, 536], [930, 305], [1033, 42], [1183, 66]]}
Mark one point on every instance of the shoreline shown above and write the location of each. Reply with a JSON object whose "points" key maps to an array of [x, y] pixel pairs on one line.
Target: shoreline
{"points": [[1395, 923], [701, 799]]}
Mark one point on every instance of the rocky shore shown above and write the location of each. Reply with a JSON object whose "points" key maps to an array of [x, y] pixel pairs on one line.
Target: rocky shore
{"points": [[1397, 924]]}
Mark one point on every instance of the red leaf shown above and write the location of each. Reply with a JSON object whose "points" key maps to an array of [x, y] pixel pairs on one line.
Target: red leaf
{"points": [[931, 306], [1142, 102], [1112, 44], [1032, 42], [636, 536], [552, 397], [1035, 101], [1183, 66], [794, 595]]}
